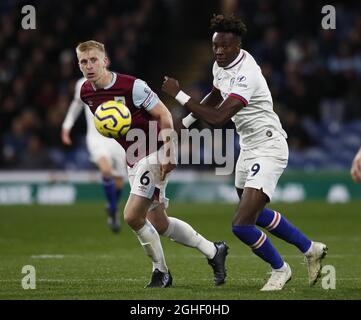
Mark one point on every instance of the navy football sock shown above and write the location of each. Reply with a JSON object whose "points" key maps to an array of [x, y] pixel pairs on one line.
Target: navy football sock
{"points": [[275, 223], [110, 193], [259, 243]]}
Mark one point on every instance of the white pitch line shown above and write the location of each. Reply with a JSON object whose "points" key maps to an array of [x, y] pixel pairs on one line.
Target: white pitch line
{"points": [[173, 255], [48, 256]]}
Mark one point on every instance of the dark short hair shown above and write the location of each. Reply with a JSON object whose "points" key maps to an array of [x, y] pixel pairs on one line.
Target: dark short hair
{"points": [[221, 23]]}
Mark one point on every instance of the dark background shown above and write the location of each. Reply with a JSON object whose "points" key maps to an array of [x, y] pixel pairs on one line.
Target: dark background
{"points": [[314, 74]]}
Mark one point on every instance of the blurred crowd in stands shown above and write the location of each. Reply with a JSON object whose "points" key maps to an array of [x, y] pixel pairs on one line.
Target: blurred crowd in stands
{"points": [[311, 72], [38, 71], [314, 74]]}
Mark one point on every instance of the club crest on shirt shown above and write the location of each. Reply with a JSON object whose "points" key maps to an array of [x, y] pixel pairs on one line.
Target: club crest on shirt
{"points": [[120, 99]]}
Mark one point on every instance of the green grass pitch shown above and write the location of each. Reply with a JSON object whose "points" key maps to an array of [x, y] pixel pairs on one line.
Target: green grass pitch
{"points": [[77, 257]]}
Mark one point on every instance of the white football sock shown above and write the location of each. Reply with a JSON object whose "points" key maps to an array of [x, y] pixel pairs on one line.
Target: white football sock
{"points": [[183, 233], [307, 253], [283, 268], [149, 239]]}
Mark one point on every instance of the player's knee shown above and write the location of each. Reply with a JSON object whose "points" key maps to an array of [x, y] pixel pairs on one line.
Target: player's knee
{"points": [[132, 219], [106, 173], [105, 167], [119, 183]]}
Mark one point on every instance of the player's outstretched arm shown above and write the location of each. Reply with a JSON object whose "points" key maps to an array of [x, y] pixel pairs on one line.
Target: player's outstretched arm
{"points": [[70, 118], [217, 116], [213, 99], [75, 108], [65, 137], [356, 167], [169, 160]]}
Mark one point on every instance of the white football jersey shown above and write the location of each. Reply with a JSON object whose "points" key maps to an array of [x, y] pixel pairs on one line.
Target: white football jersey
{"points": [[256, 122], [75, 109]]}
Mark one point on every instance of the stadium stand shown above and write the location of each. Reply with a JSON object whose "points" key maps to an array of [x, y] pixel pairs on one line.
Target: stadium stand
{"points": [[314, 74]]}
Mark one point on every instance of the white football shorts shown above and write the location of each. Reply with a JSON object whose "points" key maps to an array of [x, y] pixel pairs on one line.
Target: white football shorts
{"points": [[261, 167], [145, 180], [99, 146]]}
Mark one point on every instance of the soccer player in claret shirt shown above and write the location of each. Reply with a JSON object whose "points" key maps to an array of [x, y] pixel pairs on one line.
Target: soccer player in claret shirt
{"points": [[106, 153], [145, 209], [240, 93]]}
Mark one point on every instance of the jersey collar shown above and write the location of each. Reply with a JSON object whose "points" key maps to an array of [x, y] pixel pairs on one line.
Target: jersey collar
{"points": [[236, 61], [114, 78]]}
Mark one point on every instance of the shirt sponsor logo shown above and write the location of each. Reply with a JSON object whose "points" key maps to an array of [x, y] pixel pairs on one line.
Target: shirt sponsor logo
{"points": [[241, 78]]}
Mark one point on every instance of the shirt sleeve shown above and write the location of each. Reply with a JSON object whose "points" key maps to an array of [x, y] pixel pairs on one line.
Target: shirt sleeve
{"points": [[75, 108], [244, 86], [143, 96]]}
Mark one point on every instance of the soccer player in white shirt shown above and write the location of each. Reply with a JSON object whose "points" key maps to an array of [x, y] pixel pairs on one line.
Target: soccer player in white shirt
{"points": [[106, 153], [240, 93]]}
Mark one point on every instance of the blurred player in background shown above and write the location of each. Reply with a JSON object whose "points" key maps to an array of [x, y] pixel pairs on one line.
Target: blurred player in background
{"points": [[145, 209], [240, 93], [356, 167], [106, 153]]}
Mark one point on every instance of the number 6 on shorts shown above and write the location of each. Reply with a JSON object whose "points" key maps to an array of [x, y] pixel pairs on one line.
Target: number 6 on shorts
{"points": [[144, 179]]}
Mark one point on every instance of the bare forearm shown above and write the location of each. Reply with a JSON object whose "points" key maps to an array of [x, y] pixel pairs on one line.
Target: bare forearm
{"points": [[166, 122], [205, 112], [212, 99], [168, 136], [216, 114]]}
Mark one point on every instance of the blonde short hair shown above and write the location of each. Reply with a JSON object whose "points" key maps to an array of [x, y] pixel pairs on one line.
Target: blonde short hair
{"points": [[89, 45]]}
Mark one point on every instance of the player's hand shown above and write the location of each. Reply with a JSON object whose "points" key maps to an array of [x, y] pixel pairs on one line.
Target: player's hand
{"points": [[65, 137], [356, 168], [165, 169], [170, 86]]}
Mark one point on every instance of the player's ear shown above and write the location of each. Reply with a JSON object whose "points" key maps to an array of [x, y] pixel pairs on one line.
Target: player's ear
{"points": [[77, 57], [106, 61]]}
